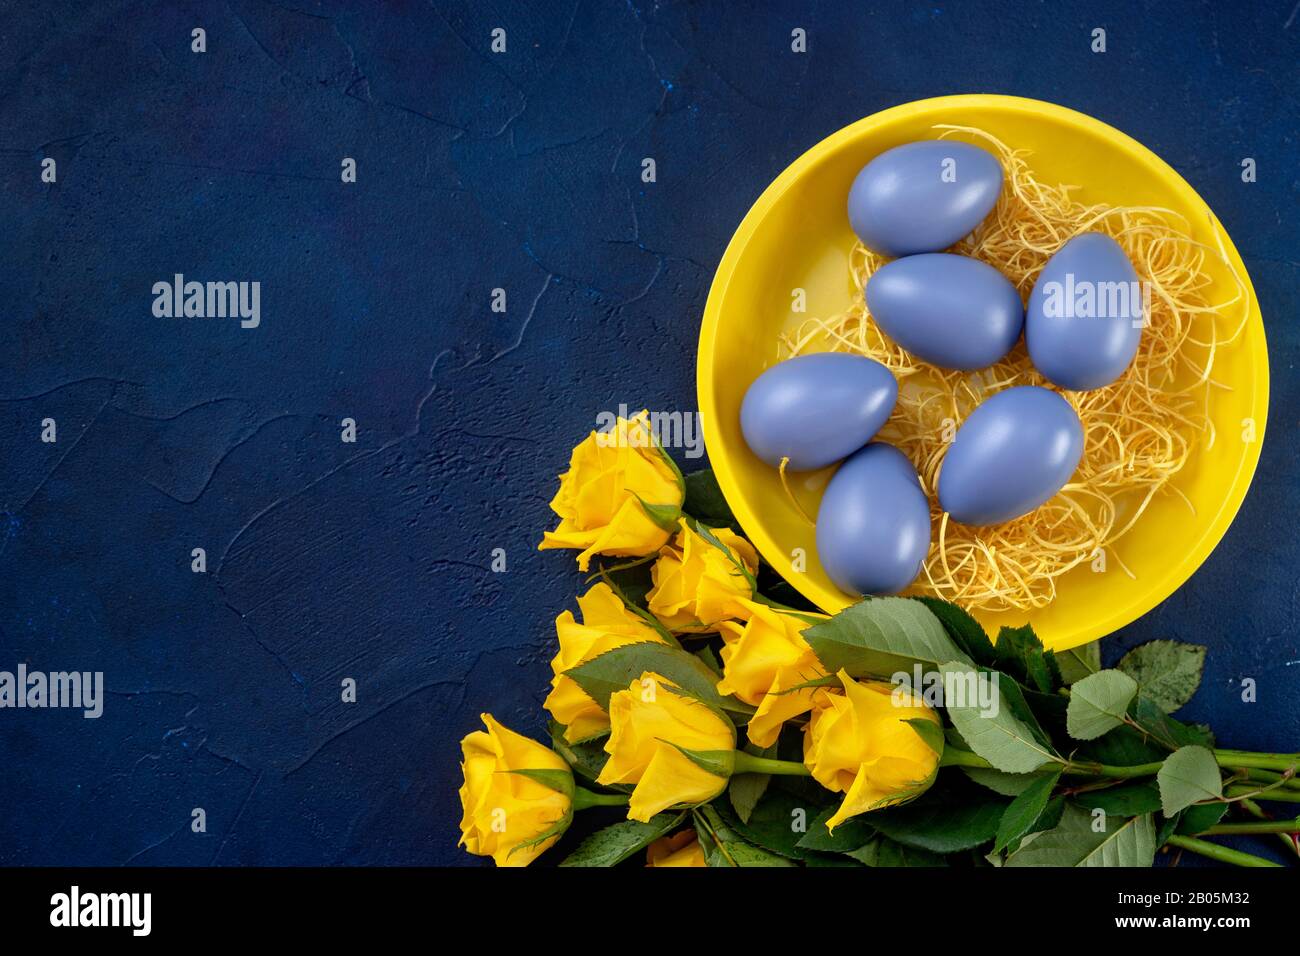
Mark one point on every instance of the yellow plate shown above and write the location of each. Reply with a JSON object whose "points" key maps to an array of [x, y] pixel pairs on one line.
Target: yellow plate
{"points": [[797, 236]]}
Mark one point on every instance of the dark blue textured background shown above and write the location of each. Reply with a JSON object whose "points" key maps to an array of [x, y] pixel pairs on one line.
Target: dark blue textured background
{"points": [[476, 171]]}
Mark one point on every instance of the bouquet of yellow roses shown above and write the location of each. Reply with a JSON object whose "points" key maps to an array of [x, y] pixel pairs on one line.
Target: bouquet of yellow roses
{"points": [[737, 726]]}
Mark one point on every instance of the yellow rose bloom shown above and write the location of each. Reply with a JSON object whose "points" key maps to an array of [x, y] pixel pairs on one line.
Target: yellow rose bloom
{"points": [[680, 849], [697, 584], [606, 624], [857, 743], [600, 498], [763, 657], [502, 810], [646, 721]]}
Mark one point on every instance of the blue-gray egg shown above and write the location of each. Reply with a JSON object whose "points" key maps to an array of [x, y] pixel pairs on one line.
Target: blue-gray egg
{"points": [[1014, 451], [949, 310], [873, 525], [1085, 315], [816, 409], [923, 197]]}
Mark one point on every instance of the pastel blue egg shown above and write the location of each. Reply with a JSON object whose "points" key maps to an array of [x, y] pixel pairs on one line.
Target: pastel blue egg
{"points": [[1013, 452], [873, 525], [949, 310], [1085, 315], [923, 197], [816, 409]]}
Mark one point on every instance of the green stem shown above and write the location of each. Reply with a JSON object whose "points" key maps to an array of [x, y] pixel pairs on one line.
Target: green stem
{"points": [[1267, 776], [748, 763], [584, 798], [1256, 811], [1280, 795], [1221, 853], [1086, 769], [1261, 826], [952, 757], [1242, 758]]}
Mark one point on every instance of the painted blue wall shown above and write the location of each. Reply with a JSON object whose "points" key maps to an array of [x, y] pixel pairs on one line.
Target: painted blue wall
{"points": [[521, 171]]}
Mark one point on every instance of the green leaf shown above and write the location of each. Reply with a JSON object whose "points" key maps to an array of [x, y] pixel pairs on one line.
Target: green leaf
{"points": [[717, 762], [965, 631], [777, 824], [561, 781], [884, 852], [1188, 775], [723, 846], [1075, 842], [848, 836], [748, 855], [1021, 814], [587, 759], [615, 670], [1167, 671], [1167, 731], [1021, 654], [1007, 784], [994, 733], [705, 501], [1016, 700], [1168, 827], [1099, 703], [1159, 734], [1078, 662], [665, 516], [879, 637], [1200, 817], [929, 731], [1125, 800], [745, 789], [941, 825], [616, 843]]}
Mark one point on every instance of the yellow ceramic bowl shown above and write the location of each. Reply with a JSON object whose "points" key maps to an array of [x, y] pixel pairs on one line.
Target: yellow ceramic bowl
{"points": [[797, 236]]}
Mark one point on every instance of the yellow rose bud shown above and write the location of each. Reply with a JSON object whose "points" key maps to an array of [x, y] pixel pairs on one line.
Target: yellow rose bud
{"points": [[764, 657], [859, 744], [648, 722], [504, 811], [697, 584], [612, 476], [680, 849], [606, 624]]}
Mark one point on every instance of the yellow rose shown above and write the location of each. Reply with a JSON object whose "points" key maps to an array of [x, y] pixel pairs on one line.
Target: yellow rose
{"points": [[697, 584], [648, 722], [612, 478], [505, 812], [606, 624], [680, 849], [858, 744], [763, 657]]}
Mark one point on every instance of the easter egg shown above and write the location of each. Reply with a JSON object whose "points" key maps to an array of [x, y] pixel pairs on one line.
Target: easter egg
{"points": [[1014, 451], [1085, 316], [949, 310], [816, 409], [923, 197], [873, 525]]}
